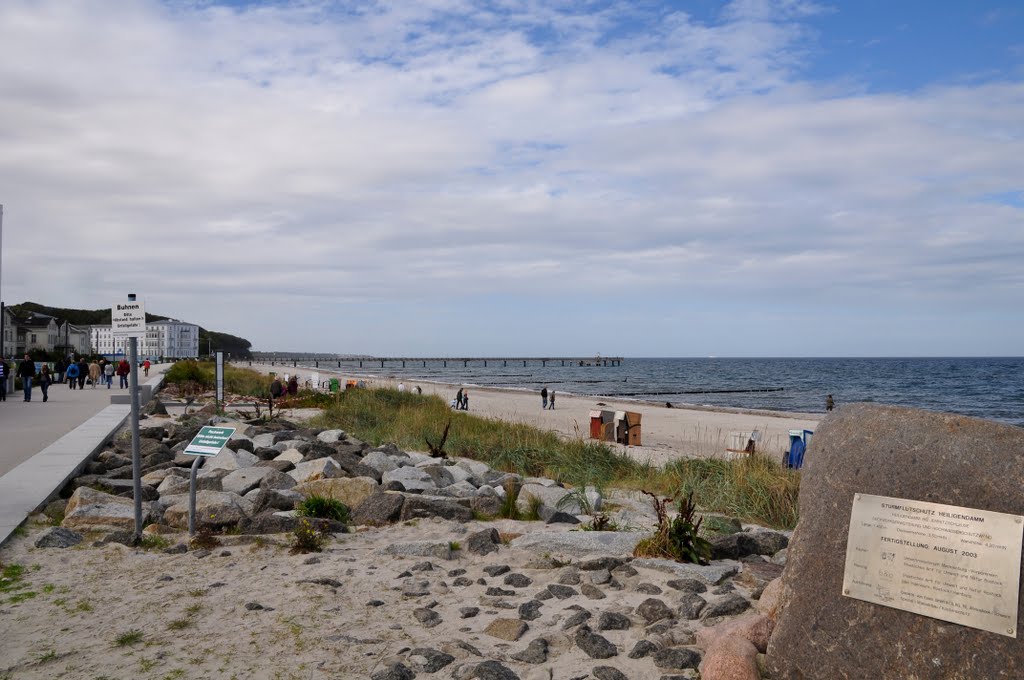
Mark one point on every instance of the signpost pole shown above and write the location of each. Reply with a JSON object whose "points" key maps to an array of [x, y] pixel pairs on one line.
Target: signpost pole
{"points": [[192, 496], [133, 392], [220, 379]]}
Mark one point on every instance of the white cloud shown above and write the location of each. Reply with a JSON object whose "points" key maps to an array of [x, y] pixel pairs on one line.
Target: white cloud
{"points": [[427, 151]]}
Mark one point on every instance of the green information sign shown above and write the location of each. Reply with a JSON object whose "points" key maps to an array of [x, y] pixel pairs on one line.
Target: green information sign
{"points": [[209, 441]]}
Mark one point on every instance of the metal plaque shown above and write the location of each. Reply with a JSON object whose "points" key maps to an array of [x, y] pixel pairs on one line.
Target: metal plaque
{"points": [[955, 564]]}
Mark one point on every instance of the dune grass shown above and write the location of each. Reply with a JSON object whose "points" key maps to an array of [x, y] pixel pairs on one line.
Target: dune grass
{"points": [[753, 488], [201, 375]]}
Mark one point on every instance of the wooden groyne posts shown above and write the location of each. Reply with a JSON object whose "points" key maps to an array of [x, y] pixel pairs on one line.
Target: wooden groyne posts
{"points": [[275, 358]]}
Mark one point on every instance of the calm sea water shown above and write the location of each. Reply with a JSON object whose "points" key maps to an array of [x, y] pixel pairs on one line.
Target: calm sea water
{"points": [[983, 387]]}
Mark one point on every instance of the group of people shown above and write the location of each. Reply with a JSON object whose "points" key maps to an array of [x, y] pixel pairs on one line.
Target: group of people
{"points": [[26, 370], [547, 399], [461, 400], [74, 373], [278, 389]]}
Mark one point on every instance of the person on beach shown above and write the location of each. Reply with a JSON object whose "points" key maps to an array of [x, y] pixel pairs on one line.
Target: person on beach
{"points": [[44, 381], [94, 374], [5, 371], [458, 400], [108, 374], [829, 403], [276, 388], [465, 400], [543, 398], [401, 387], [419, 390], [124, 369], [551, 400], [27, 371], [83, 372], [293, 385], [72, 373], [145, 368]]}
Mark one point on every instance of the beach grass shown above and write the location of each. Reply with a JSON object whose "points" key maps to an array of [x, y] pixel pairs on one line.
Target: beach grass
{"points": [[752, 488], [201, 375]]}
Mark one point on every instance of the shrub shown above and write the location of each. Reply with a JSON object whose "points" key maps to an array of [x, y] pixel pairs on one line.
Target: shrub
{"points": [[679, 538], [309, 537], [323, 507], [599, 522]]}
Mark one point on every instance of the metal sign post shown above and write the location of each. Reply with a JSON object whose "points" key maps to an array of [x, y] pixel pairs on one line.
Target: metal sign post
{"points": [[220, 379], [208, 442], [130, 320]]}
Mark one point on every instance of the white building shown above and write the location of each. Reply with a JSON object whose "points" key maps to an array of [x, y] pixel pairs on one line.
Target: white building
{"points": [[171, 339]]}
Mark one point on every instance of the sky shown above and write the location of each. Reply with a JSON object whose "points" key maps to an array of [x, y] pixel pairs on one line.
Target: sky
{"points": [[525, 177]]}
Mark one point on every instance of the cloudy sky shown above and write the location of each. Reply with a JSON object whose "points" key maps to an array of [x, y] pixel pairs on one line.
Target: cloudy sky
{"points": [[525, 177]]}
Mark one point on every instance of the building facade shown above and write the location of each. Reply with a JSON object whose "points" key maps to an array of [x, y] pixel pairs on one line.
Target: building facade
{"points": [[171, 339]]}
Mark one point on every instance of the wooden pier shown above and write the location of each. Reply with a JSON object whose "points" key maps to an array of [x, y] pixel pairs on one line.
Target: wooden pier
{"points": [[318, 360]]}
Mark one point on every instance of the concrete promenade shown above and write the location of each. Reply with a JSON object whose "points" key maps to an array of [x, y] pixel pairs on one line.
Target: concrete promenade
{"points": [[43, 444]]}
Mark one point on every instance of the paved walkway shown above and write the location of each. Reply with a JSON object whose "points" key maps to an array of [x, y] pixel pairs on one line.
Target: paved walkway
{"points": [[43, 444]]}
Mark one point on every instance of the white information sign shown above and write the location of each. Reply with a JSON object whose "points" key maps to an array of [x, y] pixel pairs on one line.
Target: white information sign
{"points": [[944, 561], [128, 319]]}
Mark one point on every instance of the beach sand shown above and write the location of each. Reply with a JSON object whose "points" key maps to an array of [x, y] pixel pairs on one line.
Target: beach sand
{"points": [[667, 433]]}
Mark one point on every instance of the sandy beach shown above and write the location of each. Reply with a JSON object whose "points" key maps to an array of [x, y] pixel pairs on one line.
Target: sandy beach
{"points": [[667, 433]]}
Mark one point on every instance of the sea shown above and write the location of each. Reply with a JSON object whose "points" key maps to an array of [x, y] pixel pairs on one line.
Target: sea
{"points": [[991, 388]]}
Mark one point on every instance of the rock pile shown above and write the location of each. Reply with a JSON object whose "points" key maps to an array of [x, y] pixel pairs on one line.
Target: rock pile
{"points": [[526, 606]]}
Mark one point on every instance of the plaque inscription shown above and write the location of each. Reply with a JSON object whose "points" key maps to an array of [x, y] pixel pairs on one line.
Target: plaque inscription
{"points": [[956, 564]]}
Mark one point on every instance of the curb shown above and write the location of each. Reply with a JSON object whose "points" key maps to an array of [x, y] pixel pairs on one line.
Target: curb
{"points": [[34, 482]]}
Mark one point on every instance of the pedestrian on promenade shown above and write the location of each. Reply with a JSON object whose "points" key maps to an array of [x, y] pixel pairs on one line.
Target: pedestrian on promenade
{"points": [[543, 397], [72, 371], [94, 374], [27, 371], [145, 368], [59, 368], [829, 403], [5, 372], [108, 374], [83, 372], [44, 381], [551, 400], [124, 369]]}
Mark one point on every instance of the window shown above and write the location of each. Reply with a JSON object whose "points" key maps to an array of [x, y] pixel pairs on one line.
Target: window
{"points": [[33, 340]]}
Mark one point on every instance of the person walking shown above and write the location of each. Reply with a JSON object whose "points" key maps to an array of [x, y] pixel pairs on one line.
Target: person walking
{"points": [[94, 374], [83, 372], [465, 400], [59, 368], [108, 374], [458, 400], [145, 368], [27, 371], [543, 398], [124, 369], [551, 400], [45, 379], [293, 385], [72, 373], [5, 372]]}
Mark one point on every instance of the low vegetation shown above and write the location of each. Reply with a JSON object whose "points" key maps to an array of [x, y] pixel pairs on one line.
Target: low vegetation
{"points": [[676, 538], [754, 488], [308, 536], [323, 507]]}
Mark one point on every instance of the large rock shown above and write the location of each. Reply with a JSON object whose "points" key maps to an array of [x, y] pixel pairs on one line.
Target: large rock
{"points": [[351, 491], [322, 468], [380, 461], [412, 478], [731, 658], [908, 454], [418, 507], [91, 510], [581, 543], [245, 480], [379, 509], [228, 460], [214, 510]]}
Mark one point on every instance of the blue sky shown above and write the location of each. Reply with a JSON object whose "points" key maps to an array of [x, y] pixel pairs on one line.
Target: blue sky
{"points": [[748, 178]]}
